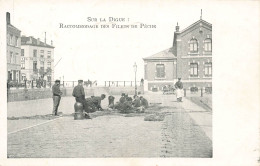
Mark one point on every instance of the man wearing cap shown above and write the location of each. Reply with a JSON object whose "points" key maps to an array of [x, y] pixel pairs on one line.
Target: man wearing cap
{"points": [[56, 97], [179, 90], [79, 94], [97, 101]]}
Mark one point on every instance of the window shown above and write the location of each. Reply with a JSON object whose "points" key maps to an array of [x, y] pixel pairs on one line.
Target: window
{"points": [[207, 44], [42, 65], [208, 90], [194, 69], [42, 51], [49, 65], [34, 66], [49, 54], [194, 89], [34, 53], [22, 52], [11, 57], [160, 71], [193, 45], [22, 65], [42, 56], [16, 41], [208, 69], [11, 40]]}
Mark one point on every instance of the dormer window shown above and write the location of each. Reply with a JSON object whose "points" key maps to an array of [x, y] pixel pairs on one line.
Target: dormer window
{"points": [[207, 45], [193, 45]]}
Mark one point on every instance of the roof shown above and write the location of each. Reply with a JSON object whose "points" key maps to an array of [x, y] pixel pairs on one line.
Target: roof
{"points": [[165, 54], [33, 42], [192, 25], [14, 27]]}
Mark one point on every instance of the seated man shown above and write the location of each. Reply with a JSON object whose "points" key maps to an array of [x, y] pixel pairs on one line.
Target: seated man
{"points": [[79, 94], [91, 105], [97, 101], [136, 102], [123, 98], [111, 102], [144, 102]]}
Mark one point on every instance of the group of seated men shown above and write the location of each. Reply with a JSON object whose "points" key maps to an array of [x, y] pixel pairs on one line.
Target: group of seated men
{"points": [[126, 103], [93, 103]]}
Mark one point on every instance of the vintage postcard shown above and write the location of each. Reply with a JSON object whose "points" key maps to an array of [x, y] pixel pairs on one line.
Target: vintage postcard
{"points": [[130, 82]]}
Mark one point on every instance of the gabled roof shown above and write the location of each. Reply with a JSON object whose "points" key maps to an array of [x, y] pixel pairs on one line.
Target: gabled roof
{"points": [[165, 54], [10, 25], [33, 42], [197, 22]]}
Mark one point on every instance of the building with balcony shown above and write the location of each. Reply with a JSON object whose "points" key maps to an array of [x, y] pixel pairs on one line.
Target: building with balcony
{"points": [[13, 51], [189, 58], [37, 59]]}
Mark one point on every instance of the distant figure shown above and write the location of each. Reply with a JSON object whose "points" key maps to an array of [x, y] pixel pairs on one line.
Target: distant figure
{"points": [[79, 94], [56, 97], [142, 82], [179, 90]]}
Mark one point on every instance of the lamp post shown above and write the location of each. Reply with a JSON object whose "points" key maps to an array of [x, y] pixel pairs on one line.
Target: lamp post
{"points": [[135, 69]]}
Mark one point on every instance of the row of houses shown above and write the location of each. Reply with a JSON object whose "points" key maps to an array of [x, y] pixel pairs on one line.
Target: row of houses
{"points": [[189, 58], [28, 58]]}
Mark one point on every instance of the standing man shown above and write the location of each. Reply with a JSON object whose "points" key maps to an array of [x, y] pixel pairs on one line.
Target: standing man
{"points": [[79, 94], [56, 97], [142, 82], [179, 90]]}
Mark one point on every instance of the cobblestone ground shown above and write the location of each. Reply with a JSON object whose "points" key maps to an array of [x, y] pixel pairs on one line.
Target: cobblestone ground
{"points": [[182, 137], [116, 136], [181, 133]]}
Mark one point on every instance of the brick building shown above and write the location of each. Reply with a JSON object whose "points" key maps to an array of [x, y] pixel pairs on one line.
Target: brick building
{"points": [[13, 54], [189, 58], [37, 59]]}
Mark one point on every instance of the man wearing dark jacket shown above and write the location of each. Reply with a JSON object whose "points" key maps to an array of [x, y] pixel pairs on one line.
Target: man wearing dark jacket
{"points": [[97, 101], [56, 97], [79, 94]]}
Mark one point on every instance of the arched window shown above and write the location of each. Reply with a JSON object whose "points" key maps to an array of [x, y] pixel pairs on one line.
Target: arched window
{"points": [[193, 45], [207, 44]]}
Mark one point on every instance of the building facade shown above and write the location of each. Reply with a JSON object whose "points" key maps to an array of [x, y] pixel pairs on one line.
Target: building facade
{"points": [[37, 59], [13, 54], [191, 59], [160, 70]]}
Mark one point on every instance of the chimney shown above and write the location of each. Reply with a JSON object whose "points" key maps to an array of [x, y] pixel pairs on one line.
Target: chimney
{"points": [[8, 21], [177, 27]]}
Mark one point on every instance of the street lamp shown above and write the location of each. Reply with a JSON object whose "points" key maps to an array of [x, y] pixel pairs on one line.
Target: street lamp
{"points": [[135, 69]]}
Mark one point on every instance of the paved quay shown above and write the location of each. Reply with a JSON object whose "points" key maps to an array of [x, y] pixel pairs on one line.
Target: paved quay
{"points": [[185, 131]]}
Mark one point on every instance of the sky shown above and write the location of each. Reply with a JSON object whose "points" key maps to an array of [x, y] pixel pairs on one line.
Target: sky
{"points": [[102, 54], [106, 54]]}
